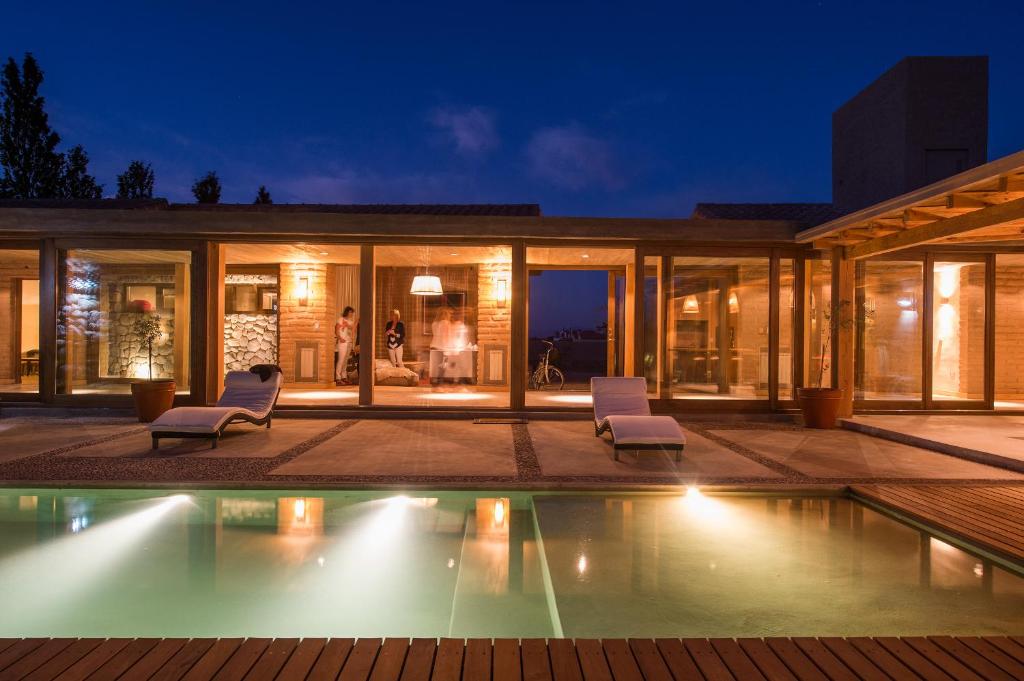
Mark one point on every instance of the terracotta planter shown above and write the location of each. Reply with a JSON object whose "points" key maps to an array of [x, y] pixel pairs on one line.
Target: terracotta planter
{"points": [[820, 406], [152, 398]]}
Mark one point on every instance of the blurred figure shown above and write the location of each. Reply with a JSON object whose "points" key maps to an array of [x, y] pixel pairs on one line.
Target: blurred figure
{"points": [[440, 344], [394, 332], [343, 331]]}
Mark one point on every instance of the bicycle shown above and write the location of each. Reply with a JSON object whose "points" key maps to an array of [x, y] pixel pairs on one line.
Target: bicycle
{"points": [[546, 373]]}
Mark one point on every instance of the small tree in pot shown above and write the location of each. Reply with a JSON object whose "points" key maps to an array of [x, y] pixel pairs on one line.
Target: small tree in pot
{"points": [[152, 397], [820, 406]]}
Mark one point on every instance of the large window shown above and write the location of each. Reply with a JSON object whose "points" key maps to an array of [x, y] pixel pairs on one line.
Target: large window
{"points": [[109, 300], [958, 331], [1009, 331], [718, 328], [888, 327], [19, 321], [817, 325], [442, 325]]}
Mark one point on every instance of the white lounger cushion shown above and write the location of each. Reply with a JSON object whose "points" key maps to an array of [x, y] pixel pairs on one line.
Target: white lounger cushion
{"points": [[245, 395], [646, 430]]}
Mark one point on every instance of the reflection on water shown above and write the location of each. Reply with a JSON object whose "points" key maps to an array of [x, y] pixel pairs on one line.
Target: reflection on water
{"points": [[125, 563]]}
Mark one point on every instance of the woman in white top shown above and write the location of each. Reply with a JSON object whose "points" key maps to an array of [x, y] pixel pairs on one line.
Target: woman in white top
{"points": [[343, 330]]}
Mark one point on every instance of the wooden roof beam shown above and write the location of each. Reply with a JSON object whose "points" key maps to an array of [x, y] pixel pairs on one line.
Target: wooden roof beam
{"points": [[940, 229]]}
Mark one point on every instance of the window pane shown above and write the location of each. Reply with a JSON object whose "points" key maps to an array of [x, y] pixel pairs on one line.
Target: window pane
{"points": [[108, 302], [718, 328], [19, 322], [817, 316], [455, 309], [1010, 331], [958, 328], [654, 325], [888, 358], [787, 324]]}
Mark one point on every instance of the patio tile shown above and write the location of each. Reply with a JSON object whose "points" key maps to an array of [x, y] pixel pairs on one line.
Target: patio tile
{"points": [[240, 440], [377, 447], [569, 448], [28, 436], [845, 454]]}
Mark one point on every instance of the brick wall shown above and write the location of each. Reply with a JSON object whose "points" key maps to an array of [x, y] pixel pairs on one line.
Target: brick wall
{"points": [[494, 321], [312, 322], [1009, 331]]}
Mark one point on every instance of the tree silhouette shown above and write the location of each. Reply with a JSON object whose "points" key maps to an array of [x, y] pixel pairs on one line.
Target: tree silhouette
{"points": [[207, 188], [136, 182], [32, 168], [75, 180], [263, 196]]}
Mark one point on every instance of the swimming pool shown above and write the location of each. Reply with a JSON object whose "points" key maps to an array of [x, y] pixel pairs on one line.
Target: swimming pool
{"points": [[296, 564]]}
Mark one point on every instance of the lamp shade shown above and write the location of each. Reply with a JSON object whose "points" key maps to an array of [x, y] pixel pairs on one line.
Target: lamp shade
{"points": [[426, 285]]}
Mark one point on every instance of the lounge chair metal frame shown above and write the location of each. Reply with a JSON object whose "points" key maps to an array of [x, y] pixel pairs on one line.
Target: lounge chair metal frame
{"points": [[265, 371]]}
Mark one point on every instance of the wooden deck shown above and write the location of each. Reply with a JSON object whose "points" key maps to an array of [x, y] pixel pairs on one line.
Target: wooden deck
{"points": [[989, 517], [941, 658]]}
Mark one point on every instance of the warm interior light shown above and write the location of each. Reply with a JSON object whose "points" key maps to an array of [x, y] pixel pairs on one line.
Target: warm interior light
{"points": [[501, 290], [300, 509], [585, 256], [948, 280], [581, 564], [302, 291], [693, 492], [907, 302], [426, 285], [734, 302], [690, 305]]}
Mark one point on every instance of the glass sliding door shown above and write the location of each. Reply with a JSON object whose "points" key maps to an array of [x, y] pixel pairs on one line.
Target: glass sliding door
{"points": [[107, 302], [1009, 331], [958, 331], [19, 322], [817, 361], [889, 313], [718, 328]]}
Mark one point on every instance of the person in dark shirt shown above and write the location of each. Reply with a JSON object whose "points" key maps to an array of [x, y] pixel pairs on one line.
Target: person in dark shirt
{"points": [[394, 331]]}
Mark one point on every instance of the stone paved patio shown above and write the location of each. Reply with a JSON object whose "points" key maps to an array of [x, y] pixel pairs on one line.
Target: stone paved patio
{"points": [[447, 452]]}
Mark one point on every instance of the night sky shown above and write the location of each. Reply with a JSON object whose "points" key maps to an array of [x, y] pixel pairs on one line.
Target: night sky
{"points": [[624, 109]]}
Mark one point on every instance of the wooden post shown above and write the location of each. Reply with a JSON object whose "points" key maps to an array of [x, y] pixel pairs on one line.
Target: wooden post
{"points": [[519, 363], [662, 330], [367, 276], [633, 356], [774, 284], [843, 327], [215, 274], [47, 320], [612, 341], [990, 331]]}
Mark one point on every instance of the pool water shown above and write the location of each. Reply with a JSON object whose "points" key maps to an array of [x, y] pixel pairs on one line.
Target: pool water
{"points": [[145, 563]]}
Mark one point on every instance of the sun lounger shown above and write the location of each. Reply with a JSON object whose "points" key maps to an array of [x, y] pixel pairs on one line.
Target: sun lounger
{"points": [[621, 406], [249, 396]]}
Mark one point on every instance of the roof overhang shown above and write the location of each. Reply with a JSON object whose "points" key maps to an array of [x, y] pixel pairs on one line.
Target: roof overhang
{"points": [[981, 205]]}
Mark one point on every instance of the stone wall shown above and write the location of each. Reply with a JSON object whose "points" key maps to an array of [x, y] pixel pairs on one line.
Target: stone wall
{"points": [[127, 357], [249, 339]]}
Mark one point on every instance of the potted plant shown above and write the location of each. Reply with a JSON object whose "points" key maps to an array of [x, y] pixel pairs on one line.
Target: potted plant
{"points": [[152, 396], [820, 406]]}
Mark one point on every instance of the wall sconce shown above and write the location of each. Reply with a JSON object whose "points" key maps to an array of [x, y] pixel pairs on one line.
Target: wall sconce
{"points": [[302, 291], [690, 305], [501, 290], [906, 302], [734, 303]]}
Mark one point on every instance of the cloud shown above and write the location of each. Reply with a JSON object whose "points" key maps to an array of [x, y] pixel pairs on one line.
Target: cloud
{"points": [[348, 185], [471, 130], [571, 158]]}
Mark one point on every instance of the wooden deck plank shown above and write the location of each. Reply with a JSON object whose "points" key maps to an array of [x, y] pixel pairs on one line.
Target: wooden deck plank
{"points": [[18, 650], [125, 659], [801, 666], [184, 659], [883, 659], [239, 664], [970, 658], [476, 664], [272, 660], [6, 643], [768, 663], [647, 657], [27, 664], [360, 660], [67, 657], [620, 660], [94, 660], [331, 659], [210, 663], [507, 660], [536, 664], [707, 660], [593, 663], [1006, 645], [994, 655], [390, 660], [908, 656], [419, 660], [677, 658], [302, 659], [155, 659], [565, 666], [976, 508], [738, 662], [855, 660], [822, 657], [448, 661]]}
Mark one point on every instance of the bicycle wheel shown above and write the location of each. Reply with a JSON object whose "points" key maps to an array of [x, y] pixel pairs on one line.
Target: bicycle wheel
{"points": [[534, 382], [555, 378]]}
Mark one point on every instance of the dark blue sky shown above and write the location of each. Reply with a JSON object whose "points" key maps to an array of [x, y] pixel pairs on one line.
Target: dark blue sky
{"points": [[589, 109]]}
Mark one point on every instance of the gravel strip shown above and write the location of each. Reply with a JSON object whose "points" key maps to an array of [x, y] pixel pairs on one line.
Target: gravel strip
{"points": [[527, 464]]}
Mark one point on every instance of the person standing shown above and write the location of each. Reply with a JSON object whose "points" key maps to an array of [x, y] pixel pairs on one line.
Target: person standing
{"points": [[343, 330], [394, 331]]}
